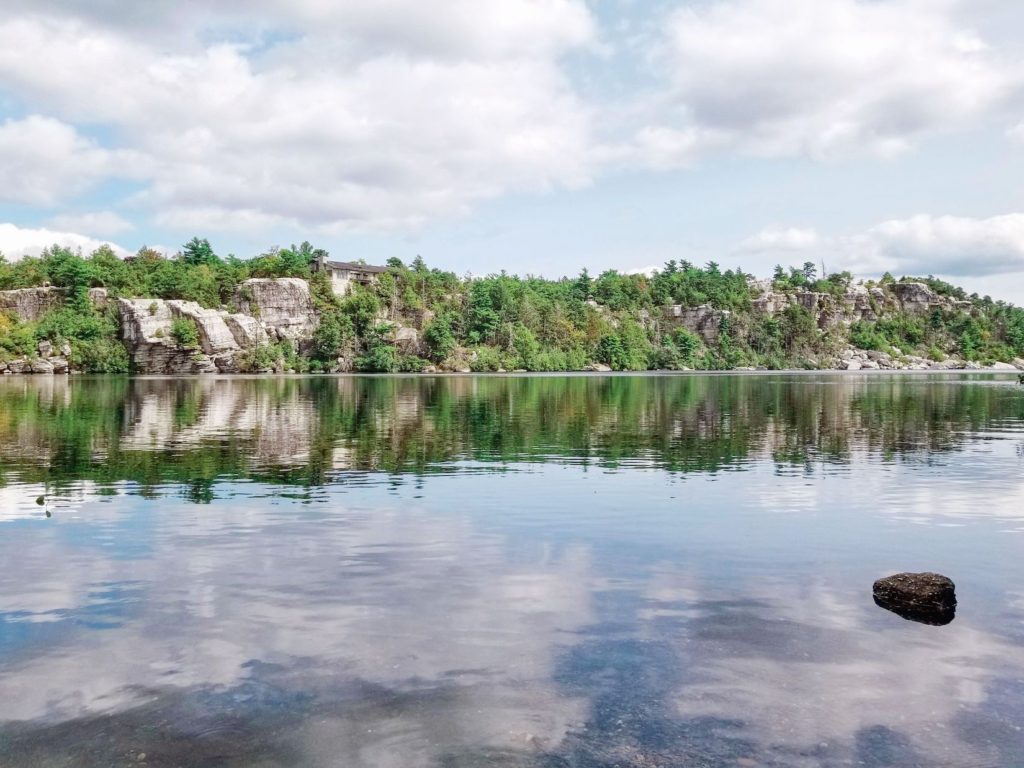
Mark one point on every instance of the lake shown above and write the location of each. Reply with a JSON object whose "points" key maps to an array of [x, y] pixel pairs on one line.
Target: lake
{"points": [[578, 571]]}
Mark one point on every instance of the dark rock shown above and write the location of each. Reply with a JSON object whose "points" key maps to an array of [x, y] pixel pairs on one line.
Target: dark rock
{"points": [[927, 598]]}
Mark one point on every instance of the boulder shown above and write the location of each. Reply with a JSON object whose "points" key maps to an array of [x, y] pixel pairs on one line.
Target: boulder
{"points": [[927, 598], [406, 339], [21, 365], [60, 365], [45, 348], [1003, 367], [98, 297], [598, 368], [853, 365], [41, 366]]}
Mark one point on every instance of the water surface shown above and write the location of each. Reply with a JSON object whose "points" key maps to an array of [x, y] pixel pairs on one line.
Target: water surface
{"points": [[517, 571]]}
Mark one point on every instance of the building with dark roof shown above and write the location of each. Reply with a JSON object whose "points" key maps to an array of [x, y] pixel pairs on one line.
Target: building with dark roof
{"points": [[343, 274]]}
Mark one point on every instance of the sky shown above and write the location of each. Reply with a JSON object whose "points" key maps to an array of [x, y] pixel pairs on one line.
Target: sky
{"points": [[534, 136]]}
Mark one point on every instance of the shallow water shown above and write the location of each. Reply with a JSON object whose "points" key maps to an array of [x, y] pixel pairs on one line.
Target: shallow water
{"points": [[521, 571]]}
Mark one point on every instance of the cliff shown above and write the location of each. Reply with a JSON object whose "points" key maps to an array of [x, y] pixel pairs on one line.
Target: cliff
{"points": [[414, 319]]}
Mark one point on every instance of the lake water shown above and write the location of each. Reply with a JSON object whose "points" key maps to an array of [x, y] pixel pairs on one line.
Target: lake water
{"points": [[510, 571]]}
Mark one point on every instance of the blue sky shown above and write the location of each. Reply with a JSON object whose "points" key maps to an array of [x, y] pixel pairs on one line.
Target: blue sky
{"points": [[535, 136]]}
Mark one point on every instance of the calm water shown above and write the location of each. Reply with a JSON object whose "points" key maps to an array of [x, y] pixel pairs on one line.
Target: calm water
{"points": [[563, 571]]}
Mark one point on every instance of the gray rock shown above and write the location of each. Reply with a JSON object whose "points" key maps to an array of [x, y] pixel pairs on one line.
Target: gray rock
{"points": [[41, 366], [406, 339], [1003, 367], [283, 305], [30, 304], [214, 335], [705, 320], [21, 365], [927, 598], [915, 298], [98, 297], [60, 365], [247, 331], [45, 348]]}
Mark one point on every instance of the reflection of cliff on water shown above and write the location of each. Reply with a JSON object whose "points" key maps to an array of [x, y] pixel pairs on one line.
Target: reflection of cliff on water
{"points": [[312, 430]]}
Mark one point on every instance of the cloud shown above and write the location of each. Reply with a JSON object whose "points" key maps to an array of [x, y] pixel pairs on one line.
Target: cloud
{"points": [[947, 245], [951, 246], [17, 242], [820, 77], [352, 115], [792, 239], [43, 160], [363, 117], [93, 223]]}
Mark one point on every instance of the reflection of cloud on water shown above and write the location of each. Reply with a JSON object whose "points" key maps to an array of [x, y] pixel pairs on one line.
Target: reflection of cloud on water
{"points": [[819, 678], [414, 603]]}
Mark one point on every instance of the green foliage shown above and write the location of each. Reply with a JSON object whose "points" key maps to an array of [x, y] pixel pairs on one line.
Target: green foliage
{"points": [[17, 339], [185, 332], [198, 252], [101, 355], [486, 360], [509, 322], [334, 331], [440, 336], [380, 355]]}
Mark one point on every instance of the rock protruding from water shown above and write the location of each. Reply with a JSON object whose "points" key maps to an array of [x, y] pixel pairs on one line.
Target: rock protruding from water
{"points": [[927, 598]]}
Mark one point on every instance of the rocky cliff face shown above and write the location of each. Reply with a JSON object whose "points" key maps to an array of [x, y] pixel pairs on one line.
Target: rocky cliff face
{"points": [[704, 320], [283, 306], [30, 304], [271, 311], [146, 328]]}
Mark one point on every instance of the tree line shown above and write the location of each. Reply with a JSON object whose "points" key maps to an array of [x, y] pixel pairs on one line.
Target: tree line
{"points": [[498, 321]]}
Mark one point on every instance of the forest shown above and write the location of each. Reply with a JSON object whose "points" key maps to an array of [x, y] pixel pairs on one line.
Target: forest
{"points": [[500, 321]]}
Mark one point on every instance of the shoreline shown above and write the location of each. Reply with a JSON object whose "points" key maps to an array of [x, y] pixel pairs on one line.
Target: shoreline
{"points": [[801, 372]]}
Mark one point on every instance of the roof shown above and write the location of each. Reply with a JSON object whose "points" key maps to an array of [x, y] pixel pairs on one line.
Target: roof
{"points": [[354, 266]]}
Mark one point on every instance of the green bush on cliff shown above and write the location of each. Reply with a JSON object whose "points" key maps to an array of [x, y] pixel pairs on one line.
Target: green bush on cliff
{"points": [[185, 332]]}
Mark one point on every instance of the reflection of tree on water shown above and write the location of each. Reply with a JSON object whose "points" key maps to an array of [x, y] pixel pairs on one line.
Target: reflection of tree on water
{"points": [[309, 431]]}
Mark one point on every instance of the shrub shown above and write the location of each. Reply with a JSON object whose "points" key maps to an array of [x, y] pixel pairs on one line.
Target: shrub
{"points": [[185, 332], [487, 359]]}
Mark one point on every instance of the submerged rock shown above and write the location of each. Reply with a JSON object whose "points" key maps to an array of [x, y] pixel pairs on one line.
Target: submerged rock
{"points": [[927, 598]]}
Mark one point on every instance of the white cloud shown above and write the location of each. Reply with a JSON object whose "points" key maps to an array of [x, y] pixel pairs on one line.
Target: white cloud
{"points": [[17, 242], [93, 223], [792, 239], [948, 246], [43, 160], [354, 115], [824, 76], [381, 116]]}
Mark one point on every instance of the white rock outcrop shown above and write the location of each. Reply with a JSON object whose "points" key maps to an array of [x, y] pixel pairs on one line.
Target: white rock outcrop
{"points": [[282, 305]]}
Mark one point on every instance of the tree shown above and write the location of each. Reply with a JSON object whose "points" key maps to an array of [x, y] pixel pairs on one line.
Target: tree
{"points": [[198, 252]]}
